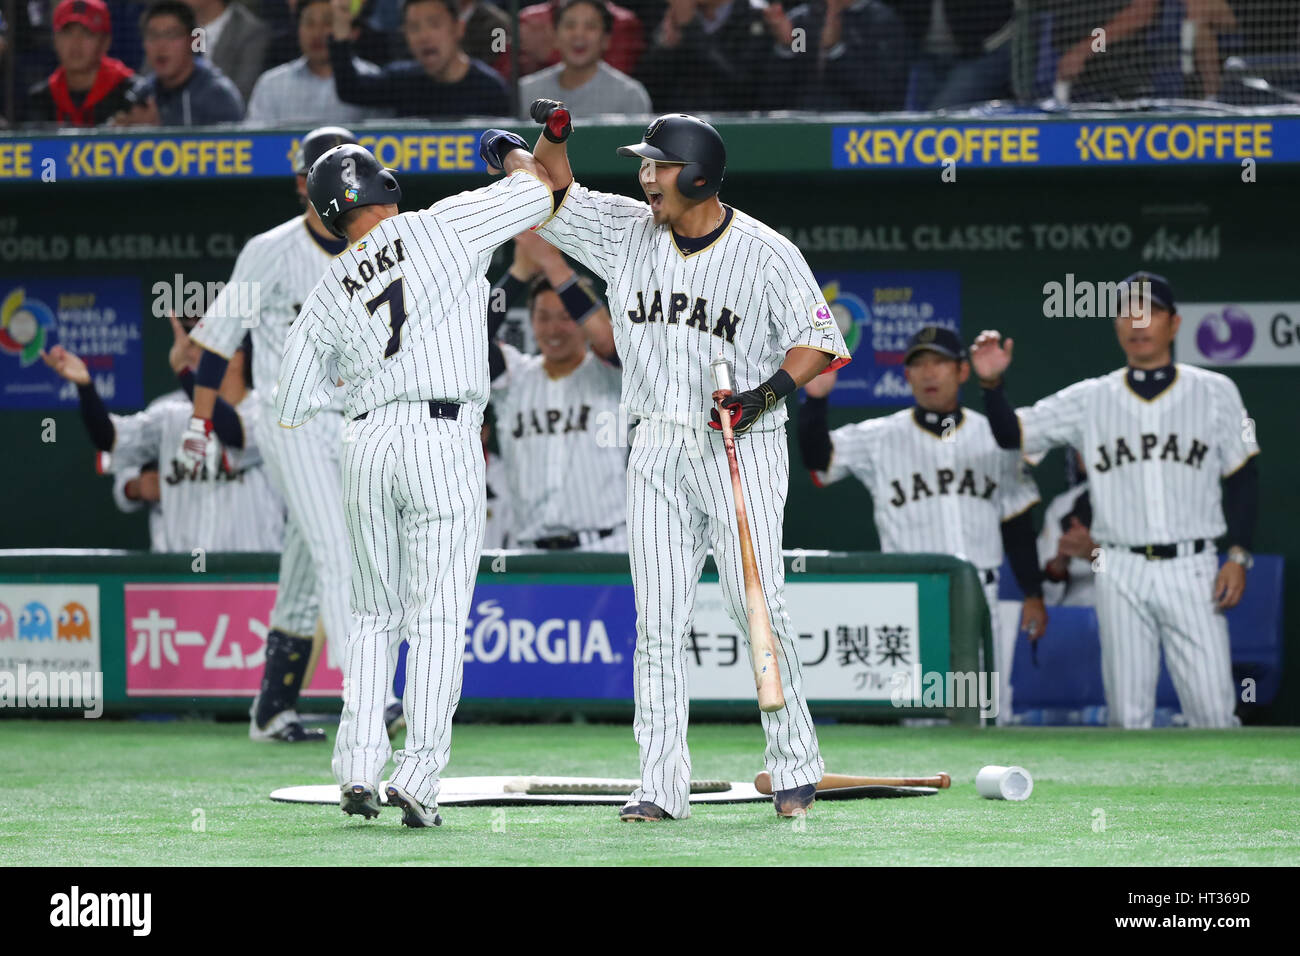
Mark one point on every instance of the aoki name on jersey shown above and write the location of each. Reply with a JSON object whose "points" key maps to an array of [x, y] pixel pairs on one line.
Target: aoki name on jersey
{"points": [[724, 327], [944, 479], [548, 421], [1169, 451], [385, 257]]}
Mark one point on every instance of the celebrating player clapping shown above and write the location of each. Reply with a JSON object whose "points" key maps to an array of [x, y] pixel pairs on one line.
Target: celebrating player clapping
{"points": [[1169, 452], [228, 507], [939, 482]]}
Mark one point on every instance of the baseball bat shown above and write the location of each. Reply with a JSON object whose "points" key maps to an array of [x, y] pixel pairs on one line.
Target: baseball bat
{"points": [[318, 641], [833, 781], [762, 646]]}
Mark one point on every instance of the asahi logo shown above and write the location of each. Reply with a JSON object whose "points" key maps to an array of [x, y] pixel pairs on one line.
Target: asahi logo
{"points": [[1168, 246]]}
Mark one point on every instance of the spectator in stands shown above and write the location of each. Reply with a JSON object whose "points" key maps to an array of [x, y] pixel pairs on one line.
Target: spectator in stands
{"points": [[302, 92], [961, 51], [441, 81], [234, 39], [1128, 76], [184, 90], [708, 55], [537, 46], [369, 44], [1065, 546], [481, 41], [851, 57], [583, 81], [89, 86]]}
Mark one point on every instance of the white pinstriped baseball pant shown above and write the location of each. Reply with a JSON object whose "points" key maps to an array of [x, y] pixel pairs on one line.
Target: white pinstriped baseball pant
{"points": [[413, 496], [680, 503], [1143, 605]]}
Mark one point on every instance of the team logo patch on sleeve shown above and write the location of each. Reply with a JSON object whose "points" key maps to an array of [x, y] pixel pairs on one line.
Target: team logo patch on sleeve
{"points": [[822, 320]]}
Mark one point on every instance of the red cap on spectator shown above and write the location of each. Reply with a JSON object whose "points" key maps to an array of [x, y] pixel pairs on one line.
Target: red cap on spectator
{"points": [[91, 14]]}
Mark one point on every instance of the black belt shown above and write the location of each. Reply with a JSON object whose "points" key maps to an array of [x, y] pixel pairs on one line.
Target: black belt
{"points": [[990, 576], [1153, 551], [448, 410], [566, 542]]}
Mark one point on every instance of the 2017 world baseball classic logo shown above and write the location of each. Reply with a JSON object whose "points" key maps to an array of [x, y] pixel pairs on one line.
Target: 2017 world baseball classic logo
{"points": [[877, 313]]}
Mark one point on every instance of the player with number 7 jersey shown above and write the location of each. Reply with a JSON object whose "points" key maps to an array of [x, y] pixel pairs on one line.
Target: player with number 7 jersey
{"points": [[401, 319]]}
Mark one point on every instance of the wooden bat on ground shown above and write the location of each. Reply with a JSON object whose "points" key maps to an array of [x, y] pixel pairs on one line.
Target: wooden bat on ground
{"points": [[762, 646], [833, 781]]}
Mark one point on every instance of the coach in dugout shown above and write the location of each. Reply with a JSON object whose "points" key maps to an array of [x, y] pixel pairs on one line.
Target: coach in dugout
{"points": [[557, 414], [236, 509]]}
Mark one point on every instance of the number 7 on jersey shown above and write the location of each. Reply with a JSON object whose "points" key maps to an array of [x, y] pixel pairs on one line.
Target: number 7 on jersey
{"points": [[394, 297]]}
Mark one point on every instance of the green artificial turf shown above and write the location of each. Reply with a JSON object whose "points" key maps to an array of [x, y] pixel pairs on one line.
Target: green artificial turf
{"points": [[126, 793]]}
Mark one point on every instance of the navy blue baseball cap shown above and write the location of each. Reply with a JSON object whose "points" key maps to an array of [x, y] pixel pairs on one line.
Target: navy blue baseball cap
{"points": [[933, 338], [1161, 292]]}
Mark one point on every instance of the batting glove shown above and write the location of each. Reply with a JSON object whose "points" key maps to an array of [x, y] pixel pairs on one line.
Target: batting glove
{"points": [[201, 454], [555, 117], [745, 407], [495, 144]]}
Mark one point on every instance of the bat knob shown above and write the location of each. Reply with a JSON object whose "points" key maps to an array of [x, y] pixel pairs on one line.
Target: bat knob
{"points": [[945, 781]]}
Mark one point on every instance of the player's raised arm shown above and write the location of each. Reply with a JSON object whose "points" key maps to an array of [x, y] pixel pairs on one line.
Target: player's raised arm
{"points": [[551, 151], [592, 227], [482, 219], [575, 292]]}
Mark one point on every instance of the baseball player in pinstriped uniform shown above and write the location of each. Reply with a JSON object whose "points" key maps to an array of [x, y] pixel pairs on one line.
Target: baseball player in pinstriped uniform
{"points": [[557, 417], [277, 269], [1157, 438], [690, 279], [232, 508], [939, 483], [401, 318]]}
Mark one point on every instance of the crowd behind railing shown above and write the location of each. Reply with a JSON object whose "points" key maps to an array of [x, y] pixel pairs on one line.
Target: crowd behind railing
{"points": [[82, 63]]}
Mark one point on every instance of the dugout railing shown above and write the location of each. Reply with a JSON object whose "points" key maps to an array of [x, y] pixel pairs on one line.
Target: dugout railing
{"points": [[879, 636]]}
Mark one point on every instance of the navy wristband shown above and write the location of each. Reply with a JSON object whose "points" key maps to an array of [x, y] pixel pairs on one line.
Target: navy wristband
{"points": [[578, 299]]}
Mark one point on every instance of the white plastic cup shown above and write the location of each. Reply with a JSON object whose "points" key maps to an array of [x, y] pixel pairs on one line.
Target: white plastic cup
{"points": [[1004, 783]]}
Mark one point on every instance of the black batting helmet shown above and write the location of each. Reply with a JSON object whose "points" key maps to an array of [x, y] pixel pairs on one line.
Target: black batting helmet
{"points": [[317, 142], [348, 177], [679, 138]]}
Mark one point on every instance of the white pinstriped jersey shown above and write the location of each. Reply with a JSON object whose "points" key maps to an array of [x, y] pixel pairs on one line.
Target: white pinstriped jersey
{"points": [[563, 473], [235, 511], [275, 271], [1153, 466], [749, 296], [934, 494], [402, 314]]}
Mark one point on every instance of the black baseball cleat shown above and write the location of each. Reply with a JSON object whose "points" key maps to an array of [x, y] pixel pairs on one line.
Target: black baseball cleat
{"points": [[285, 727], [643, 813], [394, 719], [794, 802], [414, 813], [357, 798]]}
